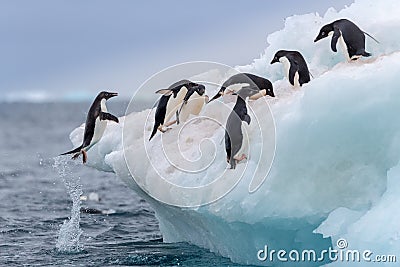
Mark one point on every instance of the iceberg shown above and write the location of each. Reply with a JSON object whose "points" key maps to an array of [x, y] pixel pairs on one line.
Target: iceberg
{"points": [[326, 166]]}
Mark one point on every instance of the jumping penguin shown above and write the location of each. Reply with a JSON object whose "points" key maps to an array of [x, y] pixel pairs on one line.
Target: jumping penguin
{"points": [[175, 100], [351, 38], [250, 80], [295, 66], [96, 123], [233, 130]]}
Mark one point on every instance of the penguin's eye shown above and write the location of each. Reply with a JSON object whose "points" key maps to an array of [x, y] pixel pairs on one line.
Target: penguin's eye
{"points": [[323, 33]]}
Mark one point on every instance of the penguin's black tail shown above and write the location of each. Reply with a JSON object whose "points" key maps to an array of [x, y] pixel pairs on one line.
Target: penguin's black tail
{"points": [[366, 54], [72, 151]]}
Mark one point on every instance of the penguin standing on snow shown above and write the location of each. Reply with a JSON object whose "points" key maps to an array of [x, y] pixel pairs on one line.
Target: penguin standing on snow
{"points": [[249, 80], [351, 38], [96, 123], [175, 100], [233, 130], [295, 66]]}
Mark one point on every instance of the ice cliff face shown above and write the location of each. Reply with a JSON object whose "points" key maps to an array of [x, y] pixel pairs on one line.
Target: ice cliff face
{"points": [[335, 172]]}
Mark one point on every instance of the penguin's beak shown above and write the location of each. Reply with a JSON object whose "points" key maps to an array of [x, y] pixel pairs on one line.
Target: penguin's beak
{"points": [[319, 37], [112, 95], [274, 60]]}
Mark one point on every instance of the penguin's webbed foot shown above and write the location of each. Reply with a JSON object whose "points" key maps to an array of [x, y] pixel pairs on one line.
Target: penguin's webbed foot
{"points": [[164, 130], [160, 128], [242, 157], [76, 155]]}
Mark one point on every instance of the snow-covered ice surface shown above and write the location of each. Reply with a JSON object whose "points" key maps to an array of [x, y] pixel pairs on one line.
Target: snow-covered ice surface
{"points": [[336, 168]]}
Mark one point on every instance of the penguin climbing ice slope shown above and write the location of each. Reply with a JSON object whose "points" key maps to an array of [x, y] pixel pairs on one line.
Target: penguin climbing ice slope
{"points": [[350, 37], [96, 123], [233, 130], [249, 80], [179, 98], [296, 69]]}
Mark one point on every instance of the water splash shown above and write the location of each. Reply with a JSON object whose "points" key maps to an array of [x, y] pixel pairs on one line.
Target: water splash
{"points": [[70, 232]]}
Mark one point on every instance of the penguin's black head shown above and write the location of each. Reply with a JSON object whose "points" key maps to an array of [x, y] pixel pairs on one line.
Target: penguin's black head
{"points": [[268, 87], [270, 92], [324, 32], [195, 87], [106, 95], [278, 55], [200, 89]]}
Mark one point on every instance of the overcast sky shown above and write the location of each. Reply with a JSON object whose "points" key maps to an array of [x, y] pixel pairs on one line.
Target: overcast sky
{"points": [[73, 49]]}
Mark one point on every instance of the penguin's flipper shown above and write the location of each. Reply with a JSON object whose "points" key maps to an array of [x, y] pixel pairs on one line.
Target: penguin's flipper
{"points": [[218, 95], [335, 38], [155, 128], [371, 37], [180, 109], [227, 146], [177, 116], [247, 119], [108, 116], [165, 92]]}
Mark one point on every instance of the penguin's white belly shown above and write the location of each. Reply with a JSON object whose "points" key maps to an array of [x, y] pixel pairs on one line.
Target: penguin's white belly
{"points": [[174, 104], [296, 79], [100, 127], [193, 107], [343, 46], [286, 66], [244, 149]]}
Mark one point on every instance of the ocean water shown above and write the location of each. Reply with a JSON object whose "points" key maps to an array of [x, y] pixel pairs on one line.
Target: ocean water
{"points": [[36, 192]]}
